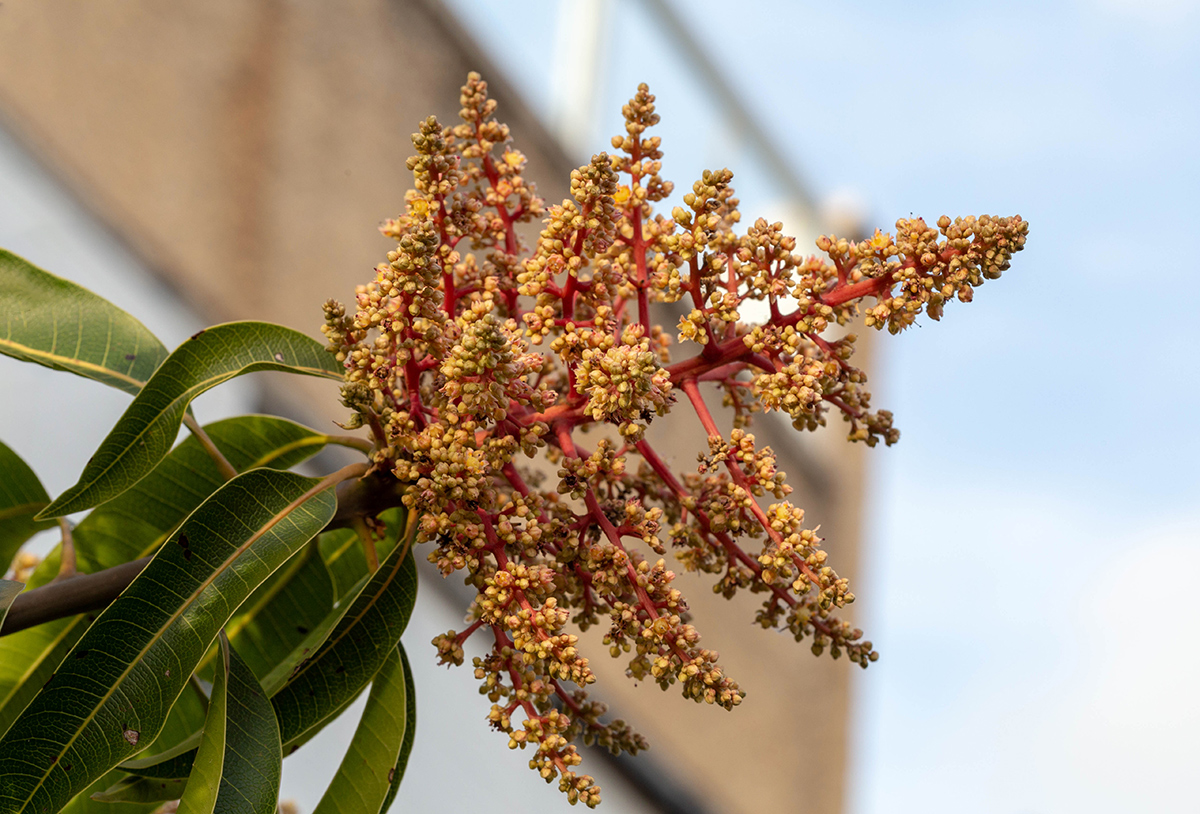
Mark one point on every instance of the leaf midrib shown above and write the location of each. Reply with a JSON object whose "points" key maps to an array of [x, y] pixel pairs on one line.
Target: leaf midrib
{"points": [[99, 370], [278, 452], [293, 567], [23, 509]]}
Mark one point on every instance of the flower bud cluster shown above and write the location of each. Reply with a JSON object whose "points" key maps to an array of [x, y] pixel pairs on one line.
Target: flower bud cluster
{"points": [[624, 382], [665, 647], [444, 363]]}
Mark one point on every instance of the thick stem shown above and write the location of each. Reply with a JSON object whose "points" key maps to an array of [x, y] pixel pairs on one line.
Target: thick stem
{"points": [[82, 593], [363, 497]]}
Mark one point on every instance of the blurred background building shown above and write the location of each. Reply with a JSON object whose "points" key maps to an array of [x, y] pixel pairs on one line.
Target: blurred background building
{"points": [[1030, 546], [240, 154]]}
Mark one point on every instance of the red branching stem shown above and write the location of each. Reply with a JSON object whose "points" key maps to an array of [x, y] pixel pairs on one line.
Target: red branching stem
{"points": [[572, 284], [733, 349], [466, 634], [693, 393], [502, 641], [828, 348], [377, 430], [843, 270], [572, 705], [842, 294], [764, 363], [726, 542], [412, 381], [449, 293], [735, 472], [843, 406], [639, 240], [561, 692], [643, 301], [733, 549], [693, 289], [720, 374], [509, 220], [647, 604]]}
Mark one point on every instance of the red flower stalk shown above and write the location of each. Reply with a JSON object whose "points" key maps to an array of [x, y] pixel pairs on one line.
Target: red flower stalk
{"points": [[440, 365]]}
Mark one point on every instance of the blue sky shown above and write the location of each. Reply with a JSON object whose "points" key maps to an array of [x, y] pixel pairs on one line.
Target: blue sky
{"points": [[1034, 532], [1034, 535]]}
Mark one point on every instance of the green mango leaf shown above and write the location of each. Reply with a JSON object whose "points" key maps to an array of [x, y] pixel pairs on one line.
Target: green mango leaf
{"points": [[141, 790], [410, 733], [110, 698], [364, 778], [144, 434], [282, 613], [56, 323], [352, 654], [177, 761], [347, 649], [28, 659], [343, 553], [21, 497], [9, 589], [174, 763], [240, 761], [287, 667], [395, 524], [83, 803], [134, 525]]}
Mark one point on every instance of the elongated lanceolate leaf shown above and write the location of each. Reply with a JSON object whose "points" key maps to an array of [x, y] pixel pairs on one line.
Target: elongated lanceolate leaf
{"points": [[347, 649], [83, 803], [53, 322], [21, 497], [109, 699], [282, 612], [8, 593], [177, 761], [145, 433], [240, 761], [141, 790], [363, 779], [410, 733], [134, 525], [342, 551], [352, 654]]}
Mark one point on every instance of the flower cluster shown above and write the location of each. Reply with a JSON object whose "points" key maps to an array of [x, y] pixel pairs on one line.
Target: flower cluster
{"points": [[444, 364]]}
